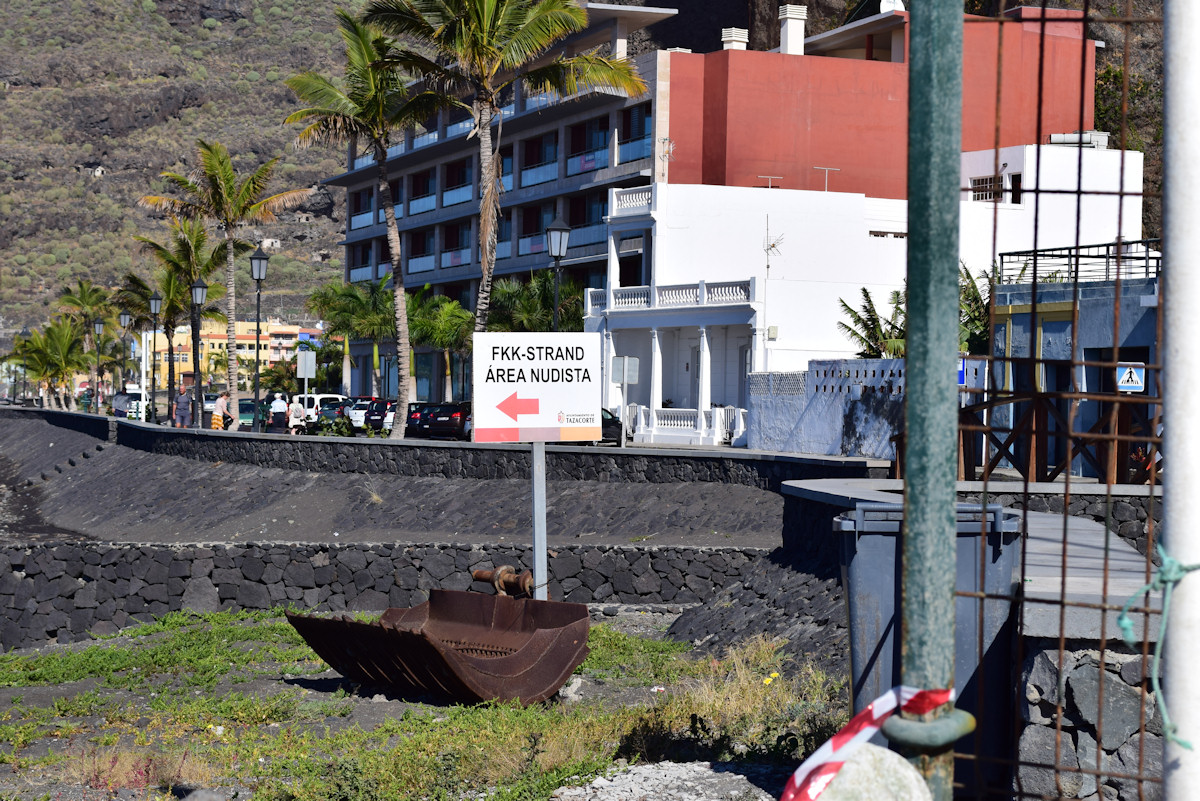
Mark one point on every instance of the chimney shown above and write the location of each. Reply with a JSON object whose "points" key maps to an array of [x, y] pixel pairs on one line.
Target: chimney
{"points": [[791, 33], [734, 38]]}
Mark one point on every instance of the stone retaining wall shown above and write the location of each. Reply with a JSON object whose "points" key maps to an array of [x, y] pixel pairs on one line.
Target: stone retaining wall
{"points": [[1103, 708], [69, 592], [458, 459]]}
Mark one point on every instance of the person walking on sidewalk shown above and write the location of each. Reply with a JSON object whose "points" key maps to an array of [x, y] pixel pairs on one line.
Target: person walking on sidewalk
{"points": [[183, 409]]}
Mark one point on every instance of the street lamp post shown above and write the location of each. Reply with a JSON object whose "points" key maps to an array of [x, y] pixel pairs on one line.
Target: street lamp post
{"points": [[25, 334], [98, 330], [559, 234], [155, 307], [258, 271], [126, 320], [199, 294]]}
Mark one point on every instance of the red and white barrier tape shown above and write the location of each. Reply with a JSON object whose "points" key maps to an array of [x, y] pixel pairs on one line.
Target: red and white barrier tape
{"points": [[815, 773]]}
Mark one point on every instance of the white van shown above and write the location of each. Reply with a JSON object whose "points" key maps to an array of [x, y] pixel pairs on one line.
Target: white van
{"points": [[312, 404]]}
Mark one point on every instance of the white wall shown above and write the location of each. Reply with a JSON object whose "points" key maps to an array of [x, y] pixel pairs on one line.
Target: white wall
{"points": [[717, 233], [988, 229]]}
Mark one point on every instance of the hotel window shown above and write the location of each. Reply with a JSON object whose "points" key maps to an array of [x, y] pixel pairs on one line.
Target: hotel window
{"points": [[987, 189]]}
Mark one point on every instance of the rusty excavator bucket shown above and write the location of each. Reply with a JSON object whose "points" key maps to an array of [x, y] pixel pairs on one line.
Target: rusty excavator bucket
{"points": [[460, 647]]}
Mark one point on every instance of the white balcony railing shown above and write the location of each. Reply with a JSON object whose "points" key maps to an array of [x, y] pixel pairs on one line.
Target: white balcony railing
{"points": [[455, 195], [675, 418], [631, 297], [362, 220], [539, 174], [531, 244], [685, 295], [460, 128], [632, 201], [728, 292], [636, 149], [587, 162], [363, 273], [422, 264], [422, 204], [427, 138], [504, 249], [588, 234], [455, 258], [680, 295]]}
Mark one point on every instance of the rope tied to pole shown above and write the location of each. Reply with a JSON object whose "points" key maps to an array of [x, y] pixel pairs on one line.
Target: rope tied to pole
{"points": [[1168, 575]]}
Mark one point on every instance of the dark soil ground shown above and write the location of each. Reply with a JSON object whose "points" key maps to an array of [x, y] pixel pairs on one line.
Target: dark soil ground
{"points": [[59, 482]]}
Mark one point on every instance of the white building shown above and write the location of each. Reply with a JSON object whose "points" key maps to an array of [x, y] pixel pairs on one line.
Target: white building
{"points": [[741, 280]]}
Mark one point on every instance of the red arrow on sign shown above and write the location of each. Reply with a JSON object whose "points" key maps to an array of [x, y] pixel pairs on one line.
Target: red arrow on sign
{"points": [[513, 406]]}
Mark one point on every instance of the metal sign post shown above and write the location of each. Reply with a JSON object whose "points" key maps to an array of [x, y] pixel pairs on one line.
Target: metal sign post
{"points": [[537, 388], [625, 368]]}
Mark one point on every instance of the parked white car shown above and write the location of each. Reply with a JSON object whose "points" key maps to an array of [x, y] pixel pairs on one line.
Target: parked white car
{"points": [[312, 403], [358, 413]]}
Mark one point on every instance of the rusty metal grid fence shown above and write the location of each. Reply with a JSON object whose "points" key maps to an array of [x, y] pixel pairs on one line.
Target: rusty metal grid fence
{"points": [[1066, 432]]}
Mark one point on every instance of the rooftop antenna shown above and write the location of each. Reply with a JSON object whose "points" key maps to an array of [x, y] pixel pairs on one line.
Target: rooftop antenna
{"points": [[770, 245]]}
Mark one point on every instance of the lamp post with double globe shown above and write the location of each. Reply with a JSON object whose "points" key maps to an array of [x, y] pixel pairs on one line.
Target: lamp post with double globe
{"points": [[98, 330], [25, 334], [126, 320], [559, 234], [258, 271], [155, 307], [199, 295]]}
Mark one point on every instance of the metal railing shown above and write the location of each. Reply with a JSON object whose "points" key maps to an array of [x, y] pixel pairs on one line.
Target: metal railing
{"points": [[1106, 262]]}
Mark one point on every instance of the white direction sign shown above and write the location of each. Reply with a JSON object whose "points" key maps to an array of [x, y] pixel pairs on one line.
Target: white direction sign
{"points": [[1131, 376], [543, 387]]}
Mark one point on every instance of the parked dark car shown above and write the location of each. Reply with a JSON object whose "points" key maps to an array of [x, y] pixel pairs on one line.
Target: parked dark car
{"points": [[610, 426], [333, 409], [377, 414], [447, 420], [412, 424]]}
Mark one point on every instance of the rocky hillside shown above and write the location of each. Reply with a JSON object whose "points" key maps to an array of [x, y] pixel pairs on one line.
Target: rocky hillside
{"points": [[96, 99]]}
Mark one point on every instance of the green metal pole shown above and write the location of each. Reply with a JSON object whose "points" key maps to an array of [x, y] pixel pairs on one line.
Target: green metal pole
{"points": [[931, 414]]}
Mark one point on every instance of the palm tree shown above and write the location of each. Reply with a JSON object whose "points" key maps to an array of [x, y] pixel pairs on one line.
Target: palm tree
{"points": [[134, 294], [371, 104], [333, 303], [529, 305], [54, 355], [474, 51], [85, 304], [375, 320], [216, 192], [185, 259], [441, 323], [876, 336], [974, 307]]}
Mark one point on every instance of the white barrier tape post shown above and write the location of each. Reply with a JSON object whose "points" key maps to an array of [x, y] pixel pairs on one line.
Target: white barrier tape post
{"points": [[815, 773]]}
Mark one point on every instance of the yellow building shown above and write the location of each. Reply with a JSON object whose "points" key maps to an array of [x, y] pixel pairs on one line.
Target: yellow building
{"points": [[277, 343]]}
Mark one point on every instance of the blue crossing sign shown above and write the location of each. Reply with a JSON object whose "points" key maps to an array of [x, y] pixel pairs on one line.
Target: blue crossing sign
{"points": [[1131, 377]]}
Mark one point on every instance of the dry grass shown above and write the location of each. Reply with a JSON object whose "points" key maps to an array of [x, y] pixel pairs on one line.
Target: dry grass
{"points": [[116, 768]]}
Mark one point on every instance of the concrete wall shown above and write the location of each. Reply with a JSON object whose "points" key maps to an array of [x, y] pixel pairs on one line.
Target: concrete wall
{"points": [[70, 592], [848, 408]]}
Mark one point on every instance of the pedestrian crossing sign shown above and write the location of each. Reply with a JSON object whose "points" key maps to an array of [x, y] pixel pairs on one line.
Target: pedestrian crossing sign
{"points": [[1131, 377]]}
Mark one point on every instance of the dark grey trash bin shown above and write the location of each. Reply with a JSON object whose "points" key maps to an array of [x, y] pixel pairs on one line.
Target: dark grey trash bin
{"points": [[983, 653]]}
